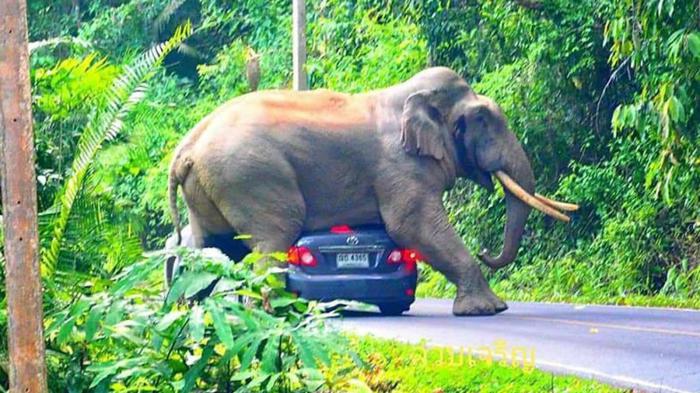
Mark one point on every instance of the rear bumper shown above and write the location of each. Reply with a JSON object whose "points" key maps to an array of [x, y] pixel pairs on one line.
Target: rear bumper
{"points": [[368, 288]]}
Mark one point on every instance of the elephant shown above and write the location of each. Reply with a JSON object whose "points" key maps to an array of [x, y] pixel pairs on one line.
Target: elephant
{"points": [[273, 164]]}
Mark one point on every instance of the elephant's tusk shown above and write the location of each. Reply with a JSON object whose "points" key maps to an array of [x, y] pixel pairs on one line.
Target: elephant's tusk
{"points": [[524, 196], [569, 207]]}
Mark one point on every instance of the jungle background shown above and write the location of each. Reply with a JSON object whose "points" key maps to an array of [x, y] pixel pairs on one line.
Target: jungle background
{"points": [[604, 95]]}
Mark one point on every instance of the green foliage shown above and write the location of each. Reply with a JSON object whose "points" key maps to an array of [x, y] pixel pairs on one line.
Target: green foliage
{"points": [[65, 87], [63, 94], [399, 367], [103, 126], [597, 92], [225, 78], [384, 51], [124, 336], [660, 41]]}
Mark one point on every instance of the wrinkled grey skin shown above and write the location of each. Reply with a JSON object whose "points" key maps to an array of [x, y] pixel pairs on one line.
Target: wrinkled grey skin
{"points": [[273, 164]]}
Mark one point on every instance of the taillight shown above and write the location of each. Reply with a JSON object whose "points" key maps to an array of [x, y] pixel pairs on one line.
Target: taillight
{"points": [[411, 256], [406, 256], [301, 256], [394, 257]]}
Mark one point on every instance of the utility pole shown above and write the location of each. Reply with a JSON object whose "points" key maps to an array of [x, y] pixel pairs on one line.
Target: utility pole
{"points": [[299, 44], [19, 201]]}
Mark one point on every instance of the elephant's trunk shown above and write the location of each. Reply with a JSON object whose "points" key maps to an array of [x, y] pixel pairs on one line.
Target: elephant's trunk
{"points": [[517, 211]]}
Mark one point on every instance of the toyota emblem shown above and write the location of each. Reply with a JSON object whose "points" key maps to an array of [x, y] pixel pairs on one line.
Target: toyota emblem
{"points": [[352, 240]]}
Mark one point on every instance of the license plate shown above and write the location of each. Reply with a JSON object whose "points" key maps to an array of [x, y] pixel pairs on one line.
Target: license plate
{"points": [[352, 260]]}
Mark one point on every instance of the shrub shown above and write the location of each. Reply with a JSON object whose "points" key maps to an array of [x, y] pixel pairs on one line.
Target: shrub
{"points": [[127, 334]]}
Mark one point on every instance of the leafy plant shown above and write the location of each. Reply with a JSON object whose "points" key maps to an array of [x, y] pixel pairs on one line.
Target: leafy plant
{"points": [[130, 335], [104, 125], [417, 368]]}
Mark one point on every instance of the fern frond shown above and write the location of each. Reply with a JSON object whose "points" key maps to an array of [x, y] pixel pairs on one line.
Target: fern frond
{"points": [[36, 45], [103, 126], [166, 14], [190, 51]]}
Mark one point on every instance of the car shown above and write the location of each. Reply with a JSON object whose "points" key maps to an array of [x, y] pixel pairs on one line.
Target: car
{"points": [[361, 264], [340, 263]]}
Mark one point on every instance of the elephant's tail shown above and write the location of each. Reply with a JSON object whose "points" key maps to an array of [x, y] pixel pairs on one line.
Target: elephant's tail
{"points": [[178, 171]]}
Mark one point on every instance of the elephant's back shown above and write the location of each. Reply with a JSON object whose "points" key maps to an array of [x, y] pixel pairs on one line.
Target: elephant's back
{"points": [[281, 110]]}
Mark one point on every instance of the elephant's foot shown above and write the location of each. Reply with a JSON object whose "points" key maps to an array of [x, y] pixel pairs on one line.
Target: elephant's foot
{"points": [[479, 303]]}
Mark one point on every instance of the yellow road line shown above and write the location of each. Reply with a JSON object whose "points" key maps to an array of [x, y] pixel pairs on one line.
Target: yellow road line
{"points": [[608, 325]]}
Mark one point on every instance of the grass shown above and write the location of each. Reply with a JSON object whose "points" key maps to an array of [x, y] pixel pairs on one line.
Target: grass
{"points": [[395, 367], [433, 284], [620, 300]]}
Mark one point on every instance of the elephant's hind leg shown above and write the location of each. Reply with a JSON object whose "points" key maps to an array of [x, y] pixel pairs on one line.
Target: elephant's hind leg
{"points": [[270, 221], [257, 195], [204, 217], [235, 229]]}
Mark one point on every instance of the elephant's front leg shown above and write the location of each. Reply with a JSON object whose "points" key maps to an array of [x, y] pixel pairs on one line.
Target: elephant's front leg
{"points": [[422, 223]]}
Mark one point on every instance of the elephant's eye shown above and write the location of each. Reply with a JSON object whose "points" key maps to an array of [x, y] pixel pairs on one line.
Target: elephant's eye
{"points": [[434, 113], [460, 126]]}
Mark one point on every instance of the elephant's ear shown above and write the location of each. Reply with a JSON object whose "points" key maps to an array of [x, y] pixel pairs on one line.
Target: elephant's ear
{"points": [[423, 130]]}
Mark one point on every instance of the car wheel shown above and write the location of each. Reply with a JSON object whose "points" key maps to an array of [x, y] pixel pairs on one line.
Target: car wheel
{"points": [[393, 308]]}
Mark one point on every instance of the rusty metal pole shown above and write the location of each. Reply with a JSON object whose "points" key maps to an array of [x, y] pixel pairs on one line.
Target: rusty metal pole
{"points": [[19, 201], [299, 45]]}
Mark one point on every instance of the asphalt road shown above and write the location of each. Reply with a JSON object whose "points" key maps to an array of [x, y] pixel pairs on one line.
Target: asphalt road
{"points": [[650, 349]]}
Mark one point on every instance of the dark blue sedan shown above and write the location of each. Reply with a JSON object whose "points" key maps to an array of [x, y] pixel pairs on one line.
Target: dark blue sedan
{"points": [[361, 264]]}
